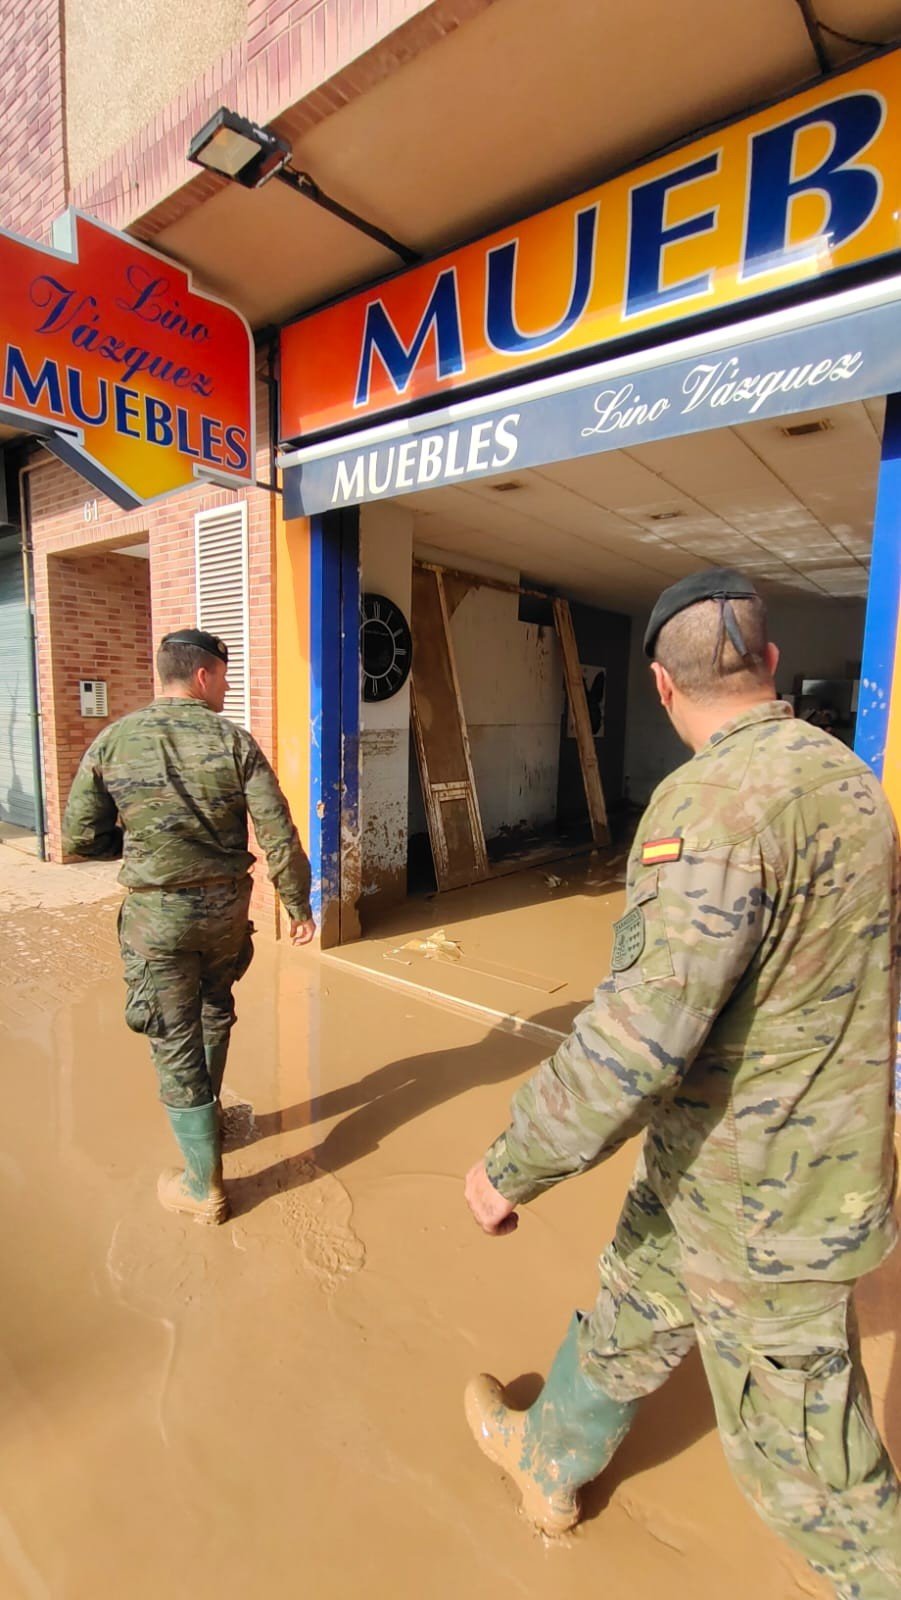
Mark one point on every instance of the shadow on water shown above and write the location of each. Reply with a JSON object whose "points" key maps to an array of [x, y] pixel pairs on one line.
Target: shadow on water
{"points": [[383, 1101], [380, 1103]]}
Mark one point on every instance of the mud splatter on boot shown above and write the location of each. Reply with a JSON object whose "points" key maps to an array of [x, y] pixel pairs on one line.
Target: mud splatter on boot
{"points": [[562, 1442], [197, 1191]]}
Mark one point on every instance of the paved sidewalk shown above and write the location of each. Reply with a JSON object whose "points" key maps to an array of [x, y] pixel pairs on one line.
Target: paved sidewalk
{"points": [[27, 884]]}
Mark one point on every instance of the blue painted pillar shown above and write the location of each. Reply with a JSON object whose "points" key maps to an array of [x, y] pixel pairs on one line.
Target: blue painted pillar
{"points": [[879, 707], [334, 719], [881, 632]]}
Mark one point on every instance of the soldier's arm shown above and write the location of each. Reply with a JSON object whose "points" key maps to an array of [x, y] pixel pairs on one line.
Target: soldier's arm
{"points": [[286, 860], [692, 927], [90, 822]]}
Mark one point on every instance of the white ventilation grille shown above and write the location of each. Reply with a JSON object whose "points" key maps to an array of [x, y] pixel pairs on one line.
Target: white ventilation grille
{"points": [[220, 538]]}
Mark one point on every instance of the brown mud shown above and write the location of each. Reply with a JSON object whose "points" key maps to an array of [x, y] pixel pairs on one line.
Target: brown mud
{"points": [[274, 1407]]}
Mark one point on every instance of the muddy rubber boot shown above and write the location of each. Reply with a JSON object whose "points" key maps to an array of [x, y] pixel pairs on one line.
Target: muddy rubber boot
{"points": [[197, 1191], [563, 1441]]}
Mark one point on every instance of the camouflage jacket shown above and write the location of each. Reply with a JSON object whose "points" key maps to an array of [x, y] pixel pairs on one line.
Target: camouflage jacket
{"points": [[178, 781], [749, 1022]]}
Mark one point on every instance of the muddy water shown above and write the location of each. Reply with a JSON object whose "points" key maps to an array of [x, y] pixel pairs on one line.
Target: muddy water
{"points": [[273, 1408]]}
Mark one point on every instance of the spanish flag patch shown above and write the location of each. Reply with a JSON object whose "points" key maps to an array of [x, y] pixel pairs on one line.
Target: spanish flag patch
{"points": [[654, 852]]}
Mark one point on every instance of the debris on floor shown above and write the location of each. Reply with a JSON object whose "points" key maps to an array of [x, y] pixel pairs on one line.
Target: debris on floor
{"points": [[436, 947]]}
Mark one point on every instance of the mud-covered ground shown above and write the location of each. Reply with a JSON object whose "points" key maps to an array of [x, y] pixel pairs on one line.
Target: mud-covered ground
{"points": [[273, 1408]]}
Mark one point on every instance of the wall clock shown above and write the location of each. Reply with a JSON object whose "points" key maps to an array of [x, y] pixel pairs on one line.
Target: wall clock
{"points": [[386, 647]]}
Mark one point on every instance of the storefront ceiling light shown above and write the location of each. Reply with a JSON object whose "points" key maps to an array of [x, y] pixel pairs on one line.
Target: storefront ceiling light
{"points": [[508, 486], [799, 430], [250, 155], [238, 149], [666, 516]]}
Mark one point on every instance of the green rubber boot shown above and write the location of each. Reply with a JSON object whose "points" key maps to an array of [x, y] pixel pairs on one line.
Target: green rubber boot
{"points": [[197, 1191], [563, 1441]]}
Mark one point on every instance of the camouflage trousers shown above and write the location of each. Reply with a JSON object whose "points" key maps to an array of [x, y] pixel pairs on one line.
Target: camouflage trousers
{"points": [[182, 950], [789, 1390]]}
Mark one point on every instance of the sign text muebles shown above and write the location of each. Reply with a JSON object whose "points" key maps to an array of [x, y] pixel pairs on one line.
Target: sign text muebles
{"points": [[633, 400], [106, 342], [782, 198]]}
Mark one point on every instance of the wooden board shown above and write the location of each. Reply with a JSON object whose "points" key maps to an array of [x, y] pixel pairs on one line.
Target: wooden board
{"points": [[575, 689], [442, 742]]}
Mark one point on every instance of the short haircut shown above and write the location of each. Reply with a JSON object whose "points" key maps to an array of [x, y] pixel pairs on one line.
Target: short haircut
{"points": [[699, 656], [177, 663]]}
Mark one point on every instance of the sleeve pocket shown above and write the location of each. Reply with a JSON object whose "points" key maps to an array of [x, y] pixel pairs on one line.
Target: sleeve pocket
{"points": [[654, 959]]}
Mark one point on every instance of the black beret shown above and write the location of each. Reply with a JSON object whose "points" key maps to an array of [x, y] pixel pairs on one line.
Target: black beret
{"points": [[717, 583], [200, 641]]}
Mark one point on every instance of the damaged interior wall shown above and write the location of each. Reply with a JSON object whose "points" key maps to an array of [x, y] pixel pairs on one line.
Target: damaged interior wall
{"points": [[386, 567], [815, 638], [603, 641], [511, 682]]}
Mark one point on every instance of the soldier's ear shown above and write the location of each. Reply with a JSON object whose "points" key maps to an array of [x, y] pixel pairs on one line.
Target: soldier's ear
{"points": [[772, 659], [664, 684]]}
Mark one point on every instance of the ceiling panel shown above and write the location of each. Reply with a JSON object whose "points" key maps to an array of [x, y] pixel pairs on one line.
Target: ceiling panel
{"points": [[795, 513]]}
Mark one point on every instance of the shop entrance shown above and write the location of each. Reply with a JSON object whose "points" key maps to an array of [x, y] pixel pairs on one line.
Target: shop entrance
{"points": [[483, 573], [98, 630]]}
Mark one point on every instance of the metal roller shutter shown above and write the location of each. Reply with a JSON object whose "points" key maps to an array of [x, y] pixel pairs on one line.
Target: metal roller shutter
{"points": [[16, 764]]}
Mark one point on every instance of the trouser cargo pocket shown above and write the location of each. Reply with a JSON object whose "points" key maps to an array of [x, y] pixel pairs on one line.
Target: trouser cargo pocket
{"points": [[805, 1416], [143, 1012]]}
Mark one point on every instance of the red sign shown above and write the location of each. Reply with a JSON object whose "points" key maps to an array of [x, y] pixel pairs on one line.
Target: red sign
{"points": [[104, 341]]}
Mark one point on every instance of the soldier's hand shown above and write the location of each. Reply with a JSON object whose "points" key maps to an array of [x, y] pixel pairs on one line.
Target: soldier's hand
{"points": [[491, 1211], [302, 932]]}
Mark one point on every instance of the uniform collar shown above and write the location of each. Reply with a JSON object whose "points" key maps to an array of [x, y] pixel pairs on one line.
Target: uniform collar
{"points": [[179, 700], [767, 711]]}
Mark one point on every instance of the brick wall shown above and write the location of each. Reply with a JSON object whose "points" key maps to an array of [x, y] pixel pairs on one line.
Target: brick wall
{"points": [[64, 540], [32, 148], [100, 607], [300, 61]]}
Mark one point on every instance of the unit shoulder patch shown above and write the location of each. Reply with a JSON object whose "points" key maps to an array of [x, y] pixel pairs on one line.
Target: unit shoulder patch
{"points": [[628, 940], [654, 852]]}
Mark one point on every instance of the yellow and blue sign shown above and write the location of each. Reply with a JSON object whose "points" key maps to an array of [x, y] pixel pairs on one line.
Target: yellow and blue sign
{"points": [[783, 198], [142, 380]]}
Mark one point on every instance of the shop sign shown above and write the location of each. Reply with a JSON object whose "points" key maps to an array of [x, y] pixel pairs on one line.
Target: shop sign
{"points": [[851, 357], [781, 198], [142, 382]]}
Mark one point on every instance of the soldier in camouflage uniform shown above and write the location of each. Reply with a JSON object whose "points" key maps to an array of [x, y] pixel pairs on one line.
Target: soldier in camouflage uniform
{"points": [[749, 1026], [169, 789]]}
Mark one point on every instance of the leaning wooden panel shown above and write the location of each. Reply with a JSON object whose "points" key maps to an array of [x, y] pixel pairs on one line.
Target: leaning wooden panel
{"points": [[442, 742], [588, 756]]}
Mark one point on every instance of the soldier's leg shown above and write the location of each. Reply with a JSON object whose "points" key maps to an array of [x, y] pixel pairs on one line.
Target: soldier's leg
{"points": [[163, 1001], [639, 1330], [227, 960], [641, 1326], [793, 1407], [162, 996]]}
